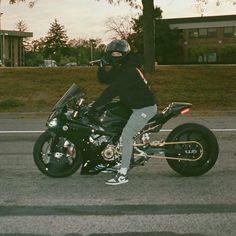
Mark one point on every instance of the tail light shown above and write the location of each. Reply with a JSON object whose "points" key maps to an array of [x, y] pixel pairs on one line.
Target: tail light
{"points": [[185, 111]]}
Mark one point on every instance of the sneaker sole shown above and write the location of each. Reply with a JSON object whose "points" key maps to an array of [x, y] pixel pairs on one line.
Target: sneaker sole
{"points": [[118, 183]]}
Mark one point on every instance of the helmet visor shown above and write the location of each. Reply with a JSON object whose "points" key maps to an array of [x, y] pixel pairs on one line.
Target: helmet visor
{"points": [[118, 46], [116, 54]]}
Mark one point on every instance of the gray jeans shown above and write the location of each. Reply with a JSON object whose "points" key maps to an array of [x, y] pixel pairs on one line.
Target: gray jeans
{"points": [[136, 122]]}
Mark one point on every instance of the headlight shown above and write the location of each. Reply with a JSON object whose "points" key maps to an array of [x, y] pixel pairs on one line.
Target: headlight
{"points": [[53, 123]]}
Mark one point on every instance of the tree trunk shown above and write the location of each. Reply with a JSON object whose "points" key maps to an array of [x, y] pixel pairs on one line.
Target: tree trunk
{"points": [[148, 36]]}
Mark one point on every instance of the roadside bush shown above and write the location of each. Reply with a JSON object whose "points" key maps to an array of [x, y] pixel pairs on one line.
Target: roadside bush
{"points": [[10, 103]]}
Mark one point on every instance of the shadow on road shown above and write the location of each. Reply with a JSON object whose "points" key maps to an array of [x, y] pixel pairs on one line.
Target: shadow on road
{"points": [[114, 234], [143, 234]]}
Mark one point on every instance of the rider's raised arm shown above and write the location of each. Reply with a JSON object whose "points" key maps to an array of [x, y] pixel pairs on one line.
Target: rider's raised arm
{"points": [[105, 75]]}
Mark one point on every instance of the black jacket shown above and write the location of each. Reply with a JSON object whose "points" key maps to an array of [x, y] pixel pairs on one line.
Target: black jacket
{"points": [[126, 82]]}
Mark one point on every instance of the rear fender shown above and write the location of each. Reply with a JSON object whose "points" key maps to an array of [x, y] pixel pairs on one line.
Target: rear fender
{"points": [[174, 109]]}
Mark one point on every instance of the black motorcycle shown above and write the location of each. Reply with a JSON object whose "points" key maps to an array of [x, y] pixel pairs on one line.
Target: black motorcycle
{"points": [[76, 136]]}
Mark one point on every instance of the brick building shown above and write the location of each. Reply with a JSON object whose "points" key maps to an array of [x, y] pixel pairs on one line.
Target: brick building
{"points": [[12, 48], [208, 39]]}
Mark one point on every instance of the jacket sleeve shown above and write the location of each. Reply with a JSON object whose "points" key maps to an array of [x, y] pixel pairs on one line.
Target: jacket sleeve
{"points": [[104, 76], [107, 95]]}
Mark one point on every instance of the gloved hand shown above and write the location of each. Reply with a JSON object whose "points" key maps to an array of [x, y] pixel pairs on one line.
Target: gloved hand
{"points": [[103, 62]]}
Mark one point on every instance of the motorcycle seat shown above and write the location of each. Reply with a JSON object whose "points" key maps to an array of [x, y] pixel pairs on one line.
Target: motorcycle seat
{"points": [[156, 117]]}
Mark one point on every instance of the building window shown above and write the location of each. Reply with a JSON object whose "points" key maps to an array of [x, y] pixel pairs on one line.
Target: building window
{"points": [[228, 31], [193, 33], [211, 32], [202, 33]]}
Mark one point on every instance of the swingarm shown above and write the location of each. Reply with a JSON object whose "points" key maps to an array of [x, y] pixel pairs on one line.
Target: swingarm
{"points": [[179, 150]]}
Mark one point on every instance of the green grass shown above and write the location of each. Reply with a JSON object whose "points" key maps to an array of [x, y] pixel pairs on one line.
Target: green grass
{"points": [[209, 88], [10, 103]]}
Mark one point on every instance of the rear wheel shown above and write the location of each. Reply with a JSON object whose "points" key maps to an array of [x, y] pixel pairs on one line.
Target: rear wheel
{"points": [[55, 156], [207, 151]]}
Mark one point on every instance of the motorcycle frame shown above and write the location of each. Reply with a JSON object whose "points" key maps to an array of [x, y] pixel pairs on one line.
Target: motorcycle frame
{"points": [[154, 126]]}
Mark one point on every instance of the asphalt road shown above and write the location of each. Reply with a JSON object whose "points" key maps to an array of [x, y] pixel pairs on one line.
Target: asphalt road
{"points": [[156, 201]]}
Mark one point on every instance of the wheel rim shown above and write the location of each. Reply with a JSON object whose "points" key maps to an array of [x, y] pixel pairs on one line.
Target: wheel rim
{"points": [[55, 157], [199, 137]]}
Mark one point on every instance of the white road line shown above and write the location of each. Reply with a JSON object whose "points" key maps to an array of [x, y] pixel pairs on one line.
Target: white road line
{"points": [[224, 130], [41, 131], [214, 130], [20, 131]]}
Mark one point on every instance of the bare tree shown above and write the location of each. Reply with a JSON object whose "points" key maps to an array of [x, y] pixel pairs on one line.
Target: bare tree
{"points": [[120, 26], [21, 26], [201, 4], [31, 3]]}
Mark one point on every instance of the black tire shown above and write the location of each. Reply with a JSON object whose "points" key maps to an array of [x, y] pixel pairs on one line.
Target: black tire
{"points": [[54, 167], [201, 134]]}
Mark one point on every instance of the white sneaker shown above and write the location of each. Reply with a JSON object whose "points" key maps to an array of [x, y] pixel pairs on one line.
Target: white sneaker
{"points": [[118, 179]]}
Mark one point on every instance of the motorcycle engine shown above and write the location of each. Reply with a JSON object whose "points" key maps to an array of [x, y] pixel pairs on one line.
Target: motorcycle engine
{"points": [[109, 153], [97, 140]]}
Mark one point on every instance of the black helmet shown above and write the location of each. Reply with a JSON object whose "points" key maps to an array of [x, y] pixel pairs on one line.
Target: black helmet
{"points": [[117, 51]]}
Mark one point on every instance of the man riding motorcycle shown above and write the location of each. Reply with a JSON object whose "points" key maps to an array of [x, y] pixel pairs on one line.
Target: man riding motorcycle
{"points": [[127, 82]]}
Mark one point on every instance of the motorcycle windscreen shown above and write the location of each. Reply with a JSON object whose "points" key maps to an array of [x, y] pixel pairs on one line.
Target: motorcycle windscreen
{"points": [[72, 93]]}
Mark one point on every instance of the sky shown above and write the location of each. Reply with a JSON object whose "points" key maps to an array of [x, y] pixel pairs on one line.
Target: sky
{"points": [[86, 18]]}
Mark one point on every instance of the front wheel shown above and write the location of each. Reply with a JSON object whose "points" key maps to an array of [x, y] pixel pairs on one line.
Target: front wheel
{"points": [[56, 156], [196, 133]]}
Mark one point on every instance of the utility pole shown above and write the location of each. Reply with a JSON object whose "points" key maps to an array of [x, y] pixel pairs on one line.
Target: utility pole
{"points": [[1, 13], [91, 41], [1, 46]]}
